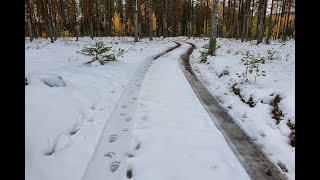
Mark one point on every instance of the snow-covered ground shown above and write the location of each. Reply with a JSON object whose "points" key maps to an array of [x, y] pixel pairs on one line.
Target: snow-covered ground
{"points": [[174, 138], [68, 103], [277, 77]]}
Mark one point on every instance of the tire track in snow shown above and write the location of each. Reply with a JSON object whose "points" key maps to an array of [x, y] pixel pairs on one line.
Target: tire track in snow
{"points": [[107, 162], [254, 161], [174, 137]]}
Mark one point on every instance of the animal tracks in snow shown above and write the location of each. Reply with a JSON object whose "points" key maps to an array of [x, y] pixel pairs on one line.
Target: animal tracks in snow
{"points": [[128, 119], [110, 154], [113, 138], [114, 166], [116, 134], [124, 106]]}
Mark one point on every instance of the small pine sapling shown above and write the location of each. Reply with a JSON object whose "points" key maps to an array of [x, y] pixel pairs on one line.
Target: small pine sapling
{"points": [[98, 53], [252, 65]]}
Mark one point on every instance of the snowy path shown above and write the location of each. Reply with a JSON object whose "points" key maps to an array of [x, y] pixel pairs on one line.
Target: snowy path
{"points": [[172, 136], [106, 162]]}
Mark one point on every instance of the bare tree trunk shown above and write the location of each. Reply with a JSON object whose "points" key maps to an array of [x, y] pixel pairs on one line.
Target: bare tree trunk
{"points": [[239, 23], [250, 32], [98, 20], [105, 32], [223, 18], [261, 19], [276, 20], [281, 19], [135, 25], [150, 21], [109, 18], [165, 24], [76, 29], [29, 18], [188, 20], [30, 30], [248, 26], [139, 18], [191, 20], [207, 17], [214, 23], [233, 24], [269, 24], [246, 19], [63, 15], [91, 18], [50, 28], [284, 36]]}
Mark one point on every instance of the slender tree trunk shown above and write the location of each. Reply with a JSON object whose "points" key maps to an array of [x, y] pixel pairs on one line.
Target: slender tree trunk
{"points": [[207, 17], [63, 15], [250, 33], [248, 26], [233, 24], [160, 16], [281, 19], [135, 25], [91, 18], [150, 21], [139, 18], [165, 20], [258, 18], [188, 19], [223, 18], [29, 19], [47, 4], [54, 20], [276, 20], [261, 19], [269, 24], [245, 21], [239, 23], [105, 31], [229, 19], [192, 20], [213, 33], [30, 30], [284, 36], [98, 20], [146, 16], [109, 17]]}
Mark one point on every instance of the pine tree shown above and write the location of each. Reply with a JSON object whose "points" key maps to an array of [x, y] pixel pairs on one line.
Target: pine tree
{"points": [[98, 53]]}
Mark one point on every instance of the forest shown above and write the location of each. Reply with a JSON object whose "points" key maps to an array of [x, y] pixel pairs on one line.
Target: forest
{"points": [[239, 19], [160, 89]]}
